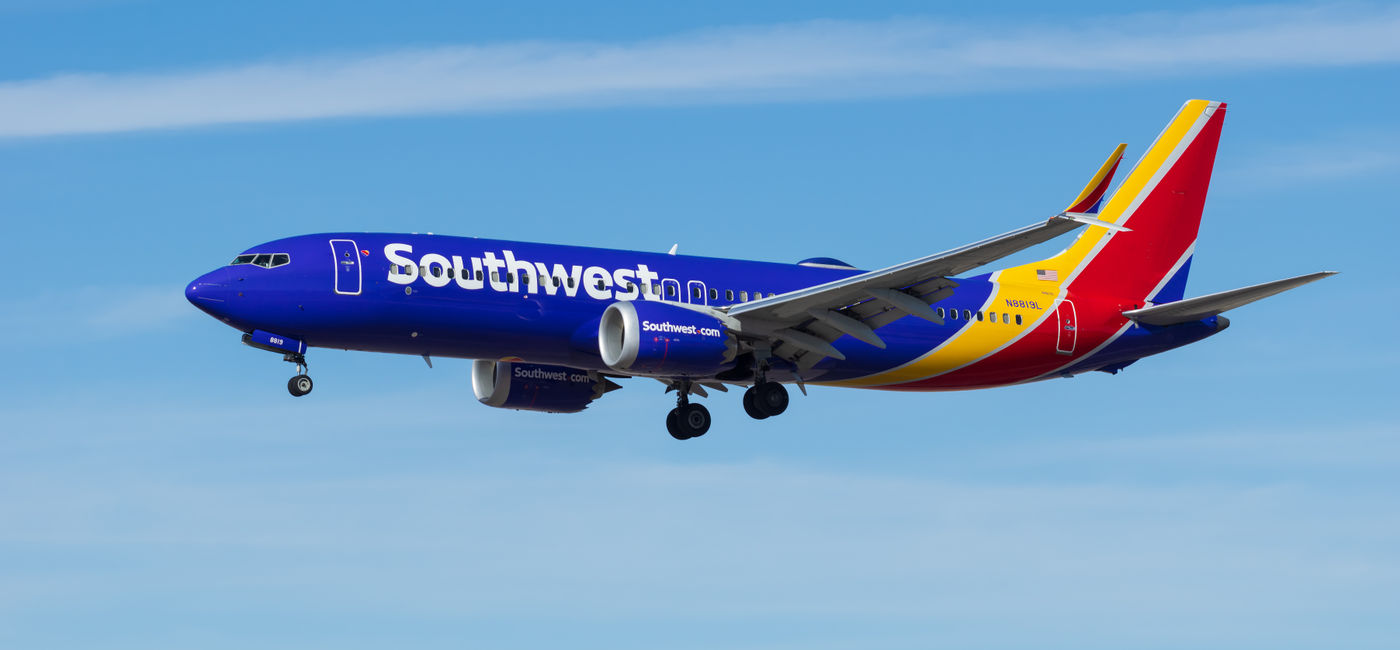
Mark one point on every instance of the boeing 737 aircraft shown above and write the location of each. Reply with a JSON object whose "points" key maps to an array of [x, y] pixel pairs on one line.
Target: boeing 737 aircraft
{"points": [[551, 326]]}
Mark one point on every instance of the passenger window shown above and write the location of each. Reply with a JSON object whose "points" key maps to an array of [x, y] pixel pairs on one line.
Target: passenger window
{"points": [[979, 315], [729, 295], [449, 274], [670, 292], [743, 296], [953, 314], [714, 294], [1018, 319], [280, 259], [771, 294], [495, 276], [967, 314], [510, 277], [601, 285], [941, 314], [695, 292], [1005, 318]]}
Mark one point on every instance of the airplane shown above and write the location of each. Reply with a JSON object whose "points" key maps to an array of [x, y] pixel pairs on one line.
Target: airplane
{"points": [[549, 327]]}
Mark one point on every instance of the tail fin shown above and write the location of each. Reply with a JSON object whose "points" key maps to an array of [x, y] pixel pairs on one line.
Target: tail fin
{"points": [[1161, 202], [1091, 198]]}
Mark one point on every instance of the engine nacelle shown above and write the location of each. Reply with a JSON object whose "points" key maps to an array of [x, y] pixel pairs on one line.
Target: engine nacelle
{"points": [[535, 387], [654, 338]]}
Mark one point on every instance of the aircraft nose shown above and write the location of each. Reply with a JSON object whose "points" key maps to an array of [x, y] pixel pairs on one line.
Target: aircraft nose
{"points": [[209, 291]]}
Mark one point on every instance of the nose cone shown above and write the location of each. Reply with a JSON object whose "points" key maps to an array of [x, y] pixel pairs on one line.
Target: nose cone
{"points": [[209, 292]]}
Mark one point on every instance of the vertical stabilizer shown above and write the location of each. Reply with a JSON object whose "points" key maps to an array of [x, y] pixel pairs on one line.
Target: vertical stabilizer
{"points": [[1161, 202]]}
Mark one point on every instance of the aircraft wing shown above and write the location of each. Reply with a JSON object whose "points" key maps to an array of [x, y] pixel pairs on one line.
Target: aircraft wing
{"points": [[1192, 309], [807, 320], [803, 323]]}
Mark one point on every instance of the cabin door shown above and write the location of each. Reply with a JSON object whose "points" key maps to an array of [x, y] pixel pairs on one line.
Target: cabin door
{"points": [[348, 275], [1068, 327]]}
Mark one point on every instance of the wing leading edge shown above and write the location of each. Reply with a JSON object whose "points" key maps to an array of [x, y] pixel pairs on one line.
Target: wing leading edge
{"points": [[803, 323]]}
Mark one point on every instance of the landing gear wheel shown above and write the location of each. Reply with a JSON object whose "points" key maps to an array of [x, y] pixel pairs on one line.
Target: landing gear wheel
{"points": [[299, 385], [770, 398], [688, 421], [672, 420], [751, 406], [693, 420]]}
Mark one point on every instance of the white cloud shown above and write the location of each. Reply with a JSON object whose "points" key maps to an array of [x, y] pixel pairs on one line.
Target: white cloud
{"points": [[822, 59]]}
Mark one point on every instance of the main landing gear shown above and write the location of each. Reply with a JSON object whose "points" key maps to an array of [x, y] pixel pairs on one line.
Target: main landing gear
{"points": [[765, 399], [687, 420], [300, 384]]}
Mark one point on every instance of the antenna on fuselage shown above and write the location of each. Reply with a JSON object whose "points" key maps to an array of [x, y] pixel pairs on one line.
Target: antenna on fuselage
{"points": [[673, 249]]}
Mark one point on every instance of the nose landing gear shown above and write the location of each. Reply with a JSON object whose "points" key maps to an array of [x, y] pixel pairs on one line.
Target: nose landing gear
{"points": [[300, 384]]}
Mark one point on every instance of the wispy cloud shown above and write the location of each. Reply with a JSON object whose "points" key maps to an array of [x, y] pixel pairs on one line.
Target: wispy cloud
{"points": [[823, 59]]}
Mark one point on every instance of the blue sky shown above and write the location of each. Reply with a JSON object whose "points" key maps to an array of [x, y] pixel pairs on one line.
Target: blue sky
{"points": [[159, 488]]}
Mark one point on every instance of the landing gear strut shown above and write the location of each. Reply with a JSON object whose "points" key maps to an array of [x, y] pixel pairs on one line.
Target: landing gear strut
{"points": [[300, 384], [687, 420]]}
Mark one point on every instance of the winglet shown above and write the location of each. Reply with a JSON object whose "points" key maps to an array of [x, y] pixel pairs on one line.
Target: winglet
{"points": [[1089, 199]]}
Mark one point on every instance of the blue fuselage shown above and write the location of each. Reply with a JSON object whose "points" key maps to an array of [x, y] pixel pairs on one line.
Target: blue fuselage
{"points": [[489, 299]]}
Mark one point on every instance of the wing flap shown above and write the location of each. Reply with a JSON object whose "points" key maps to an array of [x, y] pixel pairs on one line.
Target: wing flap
{"points": [[1193, 309]]}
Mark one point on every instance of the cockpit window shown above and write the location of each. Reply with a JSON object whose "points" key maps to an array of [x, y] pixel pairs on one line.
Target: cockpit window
{"points": [[265, 260]]}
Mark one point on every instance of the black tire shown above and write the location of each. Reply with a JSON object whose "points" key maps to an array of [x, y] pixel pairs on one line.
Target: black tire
{"points": [[693, 420], [751, 405], [673, 425], [299, 385], [771, 398]]}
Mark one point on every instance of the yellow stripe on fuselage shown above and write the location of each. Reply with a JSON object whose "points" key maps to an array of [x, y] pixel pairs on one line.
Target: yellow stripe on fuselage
{"points": [[980, 339], [976, 340]]}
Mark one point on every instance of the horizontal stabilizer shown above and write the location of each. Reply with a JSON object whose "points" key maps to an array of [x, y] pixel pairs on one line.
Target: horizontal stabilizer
{"points": [[1193, 309]]}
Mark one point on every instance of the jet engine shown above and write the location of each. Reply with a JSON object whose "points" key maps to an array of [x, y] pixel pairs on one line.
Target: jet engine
{"points": [[655, 338], [535, 387]]}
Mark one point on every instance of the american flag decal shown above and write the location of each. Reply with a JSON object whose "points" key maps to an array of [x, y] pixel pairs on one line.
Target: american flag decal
{"points": [[1050, 275]]}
